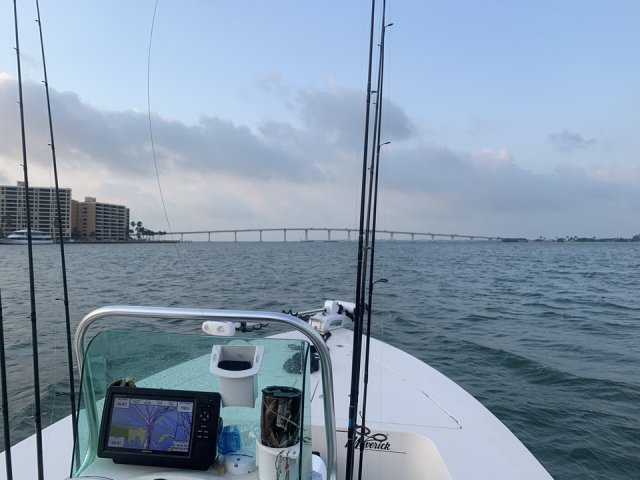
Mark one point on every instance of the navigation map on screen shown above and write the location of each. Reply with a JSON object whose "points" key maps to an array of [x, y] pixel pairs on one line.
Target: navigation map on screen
{"points": [[151, 425]]}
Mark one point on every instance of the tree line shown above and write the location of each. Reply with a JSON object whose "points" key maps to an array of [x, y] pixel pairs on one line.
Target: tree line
{"points": [[139, 231]]}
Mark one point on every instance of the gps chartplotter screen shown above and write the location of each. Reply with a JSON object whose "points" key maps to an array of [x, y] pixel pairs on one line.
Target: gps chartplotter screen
{"points": [[159, 427]]}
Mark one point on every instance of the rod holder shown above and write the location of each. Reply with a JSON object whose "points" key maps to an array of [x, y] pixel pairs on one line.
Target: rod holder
{"points": [[237, 367]]}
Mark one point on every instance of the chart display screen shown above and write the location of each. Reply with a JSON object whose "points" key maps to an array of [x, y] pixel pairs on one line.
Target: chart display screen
{"points": [[147, 426], [151, 425]]}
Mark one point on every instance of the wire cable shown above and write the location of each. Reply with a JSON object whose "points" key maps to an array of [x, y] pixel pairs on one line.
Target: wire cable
{"points": [[155, 160]]}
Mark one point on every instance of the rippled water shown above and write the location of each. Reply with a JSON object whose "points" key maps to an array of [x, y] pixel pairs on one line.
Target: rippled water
{"points": [[546, 335]]}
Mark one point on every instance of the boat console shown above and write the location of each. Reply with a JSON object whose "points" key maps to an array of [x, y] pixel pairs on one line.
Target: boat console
{"points": [[155, 404]]}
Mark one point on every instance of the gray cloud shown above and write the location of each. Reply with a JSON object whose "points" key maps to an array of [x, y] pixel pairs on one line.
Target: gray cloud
{"points": [[118, 141], [492, 182], [338, 115], [427, 184], [87, 137], [566, 141]]}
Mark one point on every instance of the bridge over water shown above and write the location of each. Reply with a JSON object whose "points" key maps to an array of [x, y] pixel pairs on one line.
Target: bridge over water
{"points": [[332, 234]]}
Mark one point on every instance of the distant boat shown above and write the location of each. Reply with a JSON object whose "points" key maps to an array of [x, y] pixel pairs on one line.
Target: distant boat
{"points": [[19, 237]]}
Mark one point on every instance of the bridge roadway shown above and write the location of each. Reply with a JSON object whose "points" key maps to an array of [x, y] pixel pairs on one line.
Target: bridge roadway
{"points": [[391, 234]]}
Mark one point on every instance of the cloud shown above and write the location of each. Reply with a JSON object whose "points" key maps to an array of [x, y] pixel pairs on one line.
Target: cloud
{"points": [[487, 192], [305, 171], [338, 116], [566, 141], [118, 141]]}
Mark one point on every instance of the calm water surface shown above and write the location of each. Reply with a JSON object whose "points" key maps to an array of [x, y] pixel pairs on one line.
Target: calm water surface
{"points": [[546, 335]]}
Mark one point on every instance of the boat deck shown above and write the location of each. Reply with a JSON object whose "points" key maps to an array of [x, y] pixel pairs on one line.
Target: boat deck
{"points": [[434, 428], [420, 425]]}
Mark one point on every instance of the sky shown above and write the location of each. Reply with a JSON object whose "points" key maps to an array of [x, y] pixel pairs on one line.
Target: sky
{"points": [[505, 118]]}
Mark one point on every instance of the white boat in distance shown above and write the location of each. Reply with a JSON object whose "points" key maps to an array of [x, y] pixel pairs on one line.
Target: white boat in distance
{"points": [[19, 237]]}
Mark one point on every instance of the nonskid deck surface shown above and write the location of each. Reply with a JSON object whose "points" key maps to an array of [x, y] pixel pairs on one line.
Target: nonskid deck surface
{"points": [[420, 424], [425, 416]]}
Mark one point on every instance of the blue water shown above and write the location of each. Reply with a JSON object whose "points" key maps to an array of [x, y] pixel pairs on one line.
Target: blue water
{"points": [[546, 335]]}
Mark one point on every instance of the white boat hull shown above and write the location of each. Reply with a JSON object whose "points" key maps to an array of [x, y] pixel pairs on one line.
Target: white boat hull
{"points": [[20, 237], [422, 425], [7, 241]]}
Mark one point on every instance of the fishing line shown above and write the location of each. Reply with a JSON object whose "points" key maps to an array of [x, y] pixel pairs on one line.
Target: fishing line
{"points": [[387, 102], [363, 49], [385, 169], [55, 378], [32, 293], [5, 399], [155, 161], [65, 299]]}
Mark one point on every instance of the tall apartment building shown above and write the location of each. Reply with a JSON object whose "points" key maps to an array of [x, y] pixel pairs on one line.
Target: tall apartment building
{"points": [[13, 211], [91, 220]]}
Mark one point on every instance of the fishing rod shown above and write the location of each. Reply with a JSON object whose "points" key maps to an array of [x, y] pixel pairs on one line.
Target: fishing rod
{"points": [[359, 311], [65, 289], [373, 204], [5, 399], [32, 294]]}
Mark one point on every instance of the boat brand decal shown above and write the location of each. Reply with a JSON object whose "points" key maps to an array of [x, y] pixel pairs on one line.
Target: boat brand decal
{"points": [[378, 442]]}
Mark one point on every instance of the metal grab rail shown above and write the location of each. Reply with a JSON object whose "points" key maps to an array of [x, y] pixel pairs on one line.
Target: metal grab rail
{"points": [[235, 316]]}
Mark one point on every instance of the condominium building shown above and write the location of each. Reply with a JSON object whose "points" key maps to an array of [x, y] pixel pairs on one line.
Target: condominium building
{"points": [[42, 201], [91, 220]]}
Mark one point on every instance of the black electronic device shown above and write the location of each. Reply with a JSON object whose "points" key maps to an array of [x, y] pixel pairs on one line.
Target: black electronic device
{"points": [[167, 428]]}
